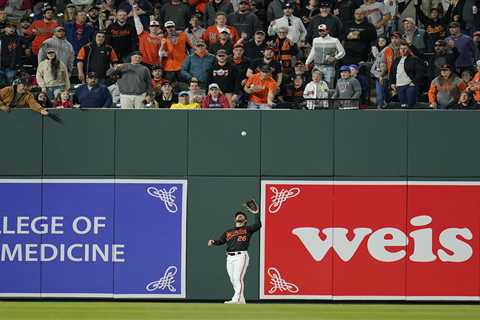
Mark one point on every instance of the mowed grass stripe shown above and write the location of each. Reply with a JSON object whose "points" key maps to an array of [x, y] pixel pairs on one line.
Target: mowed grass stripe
{"points": [[160, 310]]}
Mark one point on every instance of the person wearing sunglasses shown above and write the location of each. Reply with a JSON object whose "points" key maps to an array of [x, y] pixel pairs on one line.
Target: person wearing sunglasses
{"points": [[296, 31]]}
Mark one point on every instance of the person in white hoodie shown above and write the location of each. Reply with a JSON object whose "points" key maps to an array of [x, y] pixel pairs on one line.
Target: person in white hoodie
{"points": [[316, 89], [325, 52]]}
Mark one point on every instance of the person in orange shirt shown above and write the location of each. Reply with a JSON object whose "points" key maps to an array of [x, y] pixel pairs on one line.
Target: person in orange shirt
{"points": [[262, 88], [150, 42], [211, 35], [42, 29], [392, 52], [474, 84], [173, 51]]}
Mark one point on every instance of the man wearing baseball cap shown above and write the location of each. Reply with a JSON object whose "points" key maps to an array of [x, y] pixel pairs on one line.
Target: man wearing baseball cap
{"points": [[134, 82], [441, 56], [254, 47], [237, 241], [215, 99], [225, 76], [465, 46], [325, 17], [91, 94], [149, 42], [184, 102], [325, 52], [296, 31], [173, 51], [261, 88], [269, 60], [197, 65], [445, 89], [62, 47], [92, 17], [414, 36], [347, 88], [18, 96]]}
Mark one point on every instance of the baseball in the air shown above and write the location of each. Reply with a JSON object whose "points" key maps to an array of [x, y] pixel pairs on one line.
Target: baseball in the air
{"points": [[243, 133]]}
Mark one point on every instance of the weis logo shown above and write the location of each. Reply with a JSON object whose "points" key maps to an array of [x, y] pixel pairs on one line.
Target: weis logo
{"points": [[455, 247]]}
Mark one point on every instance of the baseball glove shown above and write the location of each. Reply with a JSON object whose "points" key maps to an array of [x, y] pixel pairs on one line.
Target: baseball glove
{"points": [[251, 206]]}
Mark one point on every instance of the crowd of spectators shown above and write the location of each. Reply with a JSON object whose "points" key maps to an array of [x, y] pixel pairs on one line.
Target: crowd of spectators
{"points": [[256, 54]]}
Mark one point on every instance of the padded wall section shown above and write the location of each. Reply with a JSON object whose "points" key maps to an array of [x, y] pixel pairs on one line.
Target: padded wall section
{"points": [[212, 203], [297, 143], [443, 144], [81, 142], [370, 143], [151, 143], [216, 146], [21, 146]]}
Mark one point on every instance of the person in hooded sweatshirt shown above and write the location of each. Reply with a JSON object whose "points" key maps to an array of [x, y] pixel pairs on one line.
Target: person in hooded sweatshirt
{"points": [[445, 89], [62, 47], [11, 47], [347, 88], [359, 37]]}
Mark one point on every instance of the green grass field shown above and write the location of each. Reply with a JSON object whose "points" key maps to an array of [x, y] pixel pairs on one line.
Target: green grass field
{"points": [[207, 311]]}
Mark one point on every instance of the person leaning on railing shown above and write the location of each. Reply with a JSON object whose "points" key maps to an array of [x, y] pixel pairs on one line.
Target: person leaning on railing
{"points": [[18, 96], [348, 89]]}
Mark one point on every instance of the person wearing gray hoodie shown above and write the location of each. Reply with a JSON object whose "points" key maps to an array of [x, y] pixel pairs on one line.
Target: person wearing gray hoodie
{"points": [[348, 90], [62, 47]]}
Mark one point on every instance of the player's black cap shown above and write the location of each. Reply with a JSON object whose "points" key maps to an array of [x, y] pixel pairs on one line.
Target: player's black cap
{"points": [[240, 213]]}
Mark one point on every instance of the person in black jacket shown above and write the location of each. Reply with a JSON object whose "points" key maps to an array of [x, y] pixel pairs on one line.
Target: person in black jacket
{"points": [[11, 52], [407, 76], [96, 57], [441, 56], [435, 25], [333, 23], [359, 37], [254, 47]]}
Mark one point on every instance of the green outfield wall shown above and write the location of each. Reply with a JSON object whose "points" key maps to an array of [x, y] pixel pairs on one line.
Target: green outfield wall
{"points": [[224, 167]]}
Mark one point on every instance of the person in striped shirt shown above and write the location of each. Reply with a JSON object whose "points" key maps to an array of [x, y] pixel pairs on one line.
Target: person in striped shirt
{"points": [[325, 52]]}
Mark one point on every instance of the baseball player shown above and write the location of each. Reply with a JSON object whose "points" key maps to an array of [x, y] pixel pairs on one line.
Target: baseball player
{"points": [[237, 240]]}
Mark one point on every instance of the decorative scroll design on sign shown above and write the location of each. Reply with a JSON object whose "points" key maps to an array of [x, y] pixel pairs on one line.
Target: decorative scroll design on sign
{"points": [[278, 283], [165, 282], [167, 197], [280, 196]]}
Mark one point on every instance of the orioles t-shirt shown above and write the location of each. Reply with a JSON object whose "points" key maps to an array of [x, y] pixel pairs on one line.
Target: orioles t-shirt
{"points": [[269, 86]]}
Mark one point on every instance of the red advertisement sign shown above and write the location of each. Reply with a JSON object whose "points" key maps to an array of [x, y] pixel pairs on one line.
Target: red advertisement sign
{"points": [[370, 240]]}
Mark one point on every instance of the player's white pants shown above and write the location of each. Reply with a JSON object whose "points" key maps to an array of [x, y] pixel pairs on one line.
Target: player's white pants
{"points": [[236, 268]]}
